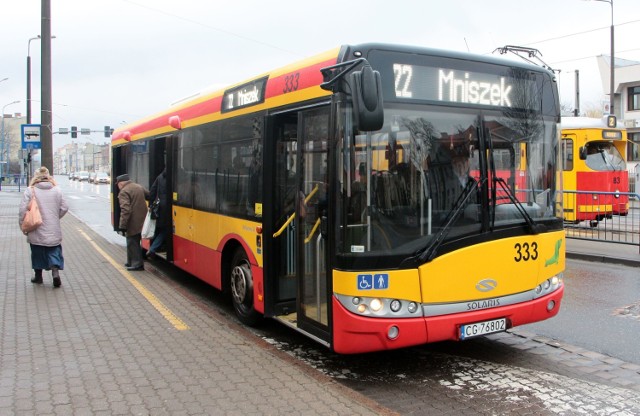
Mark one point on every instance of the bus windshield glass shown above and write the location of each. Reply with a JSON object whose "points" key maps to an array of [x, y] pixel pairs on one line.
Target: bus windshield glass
{"points": [[603, 156], [445, 172]]}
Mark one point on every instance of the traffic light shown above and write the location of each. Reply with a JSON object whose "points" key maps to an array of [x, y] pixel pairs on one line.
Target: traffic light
{"points": [[74, 132], [107, 131]]}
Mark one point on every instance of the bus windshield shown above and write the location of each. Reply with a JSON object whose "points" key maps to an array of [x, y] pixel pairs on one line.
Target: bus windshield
{"points": [[603, 156], [432, 172]]}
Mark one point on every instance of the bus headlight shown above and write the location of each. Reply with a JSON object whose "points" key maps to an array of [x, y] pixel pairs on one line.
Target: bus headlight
{"points": [[548, 286], [413, 307], [375, 305], [395, 305]]}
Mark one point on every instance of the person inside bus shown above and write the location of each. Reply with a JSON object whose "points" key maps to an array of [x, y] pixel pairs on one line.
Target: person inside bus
{"points": [[460, 166], [460, 163], [158, 196]]}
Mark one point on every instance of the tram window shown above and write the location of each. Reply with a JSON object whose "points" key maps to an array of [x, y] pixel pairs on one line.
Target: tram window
{"points": [[567, 154]]}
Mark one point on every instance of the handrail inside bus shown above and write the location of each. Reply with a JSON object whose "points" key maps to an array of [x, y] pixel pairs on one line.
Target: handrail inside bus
{"points": [[292, 216], [313, 231]]}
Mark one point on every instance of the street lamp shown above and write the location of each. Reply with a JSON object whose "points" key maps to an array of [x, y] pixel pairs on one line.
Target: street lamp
{"points": [[29, 76], [2, 139], [612, 63]]}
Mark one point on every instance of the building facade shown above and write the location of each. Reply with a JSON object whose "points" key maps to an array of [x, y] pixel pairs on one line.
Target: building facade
{"points": [[626, 102]]}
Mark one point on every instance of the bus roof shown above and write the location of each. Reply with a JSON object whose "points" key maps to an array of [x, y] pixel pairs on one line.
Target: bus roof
{"points": [[208, 106], [202, 108]]}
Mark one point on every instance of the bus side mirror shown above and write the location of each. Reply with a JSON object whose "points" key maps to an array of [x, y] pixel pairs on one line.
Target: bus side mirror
{"points": [[366, 88], [583, 153]]}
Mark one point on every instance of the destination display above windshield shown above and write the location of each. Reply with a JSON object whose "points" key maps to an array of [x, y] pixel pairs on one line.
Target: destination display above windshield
{"points": [[448, 85]]}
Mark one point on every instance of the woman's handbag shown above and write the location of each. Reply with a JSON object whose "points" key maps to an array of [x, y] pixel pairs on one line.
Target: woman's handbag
{"points": [[32, 218], [149, 226]]}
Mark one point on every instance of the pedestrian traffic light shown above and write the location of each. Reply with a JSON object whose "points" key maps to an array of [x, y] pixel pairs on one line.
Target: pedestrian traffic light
{"points": [[107, 131], [74, 132]]}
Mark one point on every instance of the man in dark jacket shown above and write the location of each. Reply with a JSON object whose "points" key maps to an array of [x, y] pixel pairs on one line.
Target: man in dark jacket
{"points": [[133, 210]]}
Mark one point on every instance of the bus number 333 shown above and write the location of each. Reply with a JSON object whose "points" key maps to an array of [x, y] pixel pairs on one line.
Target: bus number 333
{"points": [[526, 251]]}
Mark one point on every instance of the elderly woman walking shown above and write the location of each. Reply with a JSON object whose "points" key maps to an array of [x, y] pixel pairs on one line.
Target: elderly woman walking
{"points": [[45, 241]]}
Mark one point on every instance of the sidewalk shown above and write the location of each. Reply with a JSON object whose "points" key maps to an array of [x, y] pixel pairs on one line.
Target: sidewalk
{"points": [[604, 252], [114, 342]]}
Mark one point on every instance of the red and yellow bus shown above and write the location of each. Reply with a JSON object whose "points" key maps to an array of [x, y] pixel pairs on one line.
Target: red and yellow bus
{"points": [[335, 195], [595, 175]]}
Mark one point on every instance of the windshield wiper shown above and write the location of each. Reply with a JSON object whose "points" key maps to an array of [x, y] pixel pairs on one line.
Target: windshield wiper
{"points": [[430, 252], [603, 153], [533, 227]]}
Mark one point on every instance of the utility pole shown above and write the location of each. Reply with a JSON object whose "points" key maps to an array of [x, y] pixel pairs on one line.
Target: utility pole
{"points": [[46, 117]]}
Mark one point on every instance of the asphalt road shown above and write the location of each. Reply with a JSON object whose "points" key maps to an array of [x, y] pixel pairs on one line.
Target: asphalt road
{"points": [[600, 310]]}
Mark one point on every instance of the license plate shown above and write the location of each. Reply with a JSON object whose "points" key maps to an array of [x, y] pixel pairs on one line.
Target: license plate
{"points": [[482, 328]]}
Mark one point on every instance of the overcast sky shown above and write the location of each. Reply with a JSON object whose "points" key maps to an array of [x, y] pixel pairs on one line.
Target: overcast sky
{"points": [[114, 61]]}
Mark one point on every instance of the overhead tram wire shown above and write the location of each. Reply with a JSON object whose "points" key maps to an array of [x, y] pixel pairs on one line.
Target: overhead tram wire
{"points": [[580, 33], [568, 35], [297, 54], [593, 56]]}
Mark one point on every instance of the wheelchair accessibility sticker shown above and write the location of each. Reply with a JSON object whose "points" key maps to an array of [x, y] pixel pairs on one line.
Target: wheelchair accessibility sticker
{"points": [[373, 281]]}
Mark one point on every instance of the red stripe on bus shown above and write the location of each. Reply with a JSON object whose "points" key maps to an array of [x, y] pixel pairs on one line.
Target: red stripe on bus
{"points": [[296, 80], [299, 79]]}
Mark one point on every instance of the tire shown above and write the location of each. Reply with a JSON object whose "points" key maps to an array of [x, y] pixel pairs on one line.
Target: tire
{"points": [[241, 288]]}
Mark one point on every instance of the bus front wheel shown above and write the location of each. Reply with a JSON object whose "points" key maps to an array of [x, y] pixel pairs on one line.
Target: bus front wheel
{"points": [[241, 283]]}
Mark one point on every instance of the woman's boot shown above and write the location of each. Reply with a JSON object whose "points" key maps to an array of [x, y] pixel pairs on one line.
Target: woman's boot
{"points": [[56, 277], [38, 276]]}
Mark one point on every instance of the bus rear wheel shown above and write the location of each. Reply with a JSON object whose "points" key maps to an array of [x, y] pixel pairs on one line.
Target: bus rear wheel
{"points": [[241, 284]]}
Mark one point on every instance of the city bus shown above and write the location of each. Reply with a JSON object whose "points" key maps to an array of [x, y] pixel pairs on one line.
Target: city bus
{"points": [[595, 175], [337, 195]]}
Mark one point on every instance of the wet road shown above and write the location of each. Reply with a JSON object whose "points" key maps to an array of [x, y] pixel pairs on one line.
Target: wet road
{"points": [[600, 310], [505, 373]]}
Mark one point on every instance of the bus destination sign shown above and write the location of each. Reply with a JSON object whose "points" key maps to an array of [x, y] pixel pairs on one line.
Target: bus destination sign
{"points": [[245, 95], [453, 86]]}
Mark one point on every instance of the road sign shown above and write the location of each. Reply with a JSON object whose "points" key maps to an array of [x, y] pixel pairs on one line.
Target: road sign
{"points": [[30, 136]]}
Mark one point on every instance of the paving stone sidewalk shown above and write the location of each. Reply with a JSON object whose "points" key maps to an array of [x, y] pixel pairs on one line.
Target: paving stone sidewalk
{"points": [[97, 345]]}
